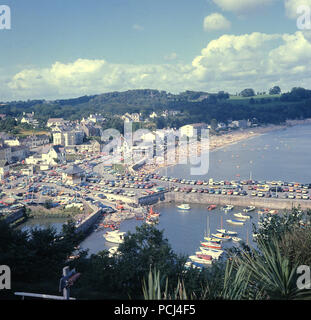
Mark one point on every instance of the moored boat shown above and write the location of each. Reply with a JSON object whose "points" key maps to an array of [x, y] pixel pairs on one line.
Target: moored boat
{"points": [[212, 207], [115, 236], [200, 260], [236, 239], [184, 206], [241, 216], [212, 252], [227, 232], [211, 239], [204, 256], [273, 211], [228, 207], [249, 209], [221, 236], [211, 245], [236, 222]]}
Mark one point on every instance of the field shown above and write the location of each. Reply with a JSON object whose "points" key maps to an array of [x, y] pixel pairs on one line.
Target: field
{"points": [[24, 133], [261, 96]]}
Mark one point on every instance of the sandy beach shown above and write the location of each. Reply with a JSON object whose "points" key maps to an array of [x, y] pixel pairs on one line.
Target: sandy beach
{"points": [[214, 142]]}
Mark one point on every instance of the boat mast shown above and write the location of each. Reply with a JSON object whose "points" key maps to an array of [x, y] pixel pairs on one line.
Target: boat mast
{"points": [[247, 236], [208, 227]]}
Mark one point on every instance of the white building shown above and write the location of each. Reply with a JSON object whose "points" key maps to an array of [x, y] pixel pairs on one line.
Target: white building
{"points": [[55, 122], [191, 130], [54, 155], [68, 138]]}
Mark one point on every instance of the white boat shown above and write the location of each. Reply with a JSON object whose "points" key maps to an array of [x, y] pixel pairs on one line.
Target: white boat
{"points": [[215, 254], [190, 264], [236, 222], [224, 231], [236, 239], [211, 245], [241, 216], [221, 236], [152, 221], [115, 236], [211, 239], [249, 209], [228, 207], [113, 250], [184, 206]]}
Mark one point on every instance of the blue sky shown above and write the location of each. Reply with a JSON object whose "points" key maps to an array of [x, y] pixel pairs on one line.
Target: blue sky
{"points": [[59, 49]]}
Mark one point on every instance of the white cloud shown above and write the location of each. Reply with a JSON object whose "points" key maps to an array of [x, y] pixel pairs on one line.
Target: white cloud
{"points": [[228, 63], [216, 21], [242, 6], [85, 76], [255, 59], [291, 7]]}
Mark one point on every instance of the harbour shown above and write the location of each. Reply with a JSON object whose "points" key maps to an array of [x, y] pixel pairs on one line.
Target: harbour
{"points": [[186, 228]]}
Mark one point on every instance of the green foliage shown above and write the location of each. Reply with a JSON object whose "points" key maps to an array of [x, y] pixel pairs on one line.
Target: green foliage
{"points": [[195, 107], [272, 273], [36, 258], [247, 92], [275, 90]]}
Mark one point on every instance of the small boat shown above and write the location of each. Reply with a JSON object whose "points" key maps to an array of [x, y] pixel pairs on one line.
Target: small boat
{"points": [[227, 232], [140, 218], [211, 245], [228, 207], [184, 206], [211, 239], [236, 222], [263, 211], [212, 207], [273, 211], [192, 264], [113, 251], [204, 256], [236, 239], [151, 221], [200, 260], [241, 216], [212, 252], [221, 236], [153, 213], [115, 236], [249, 208]]}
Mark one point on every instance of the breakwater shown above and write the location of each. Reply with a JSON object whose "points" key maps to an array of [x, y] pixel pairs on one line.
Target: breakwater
{"points": [[89, 221], [14, 216], [243, 201]]}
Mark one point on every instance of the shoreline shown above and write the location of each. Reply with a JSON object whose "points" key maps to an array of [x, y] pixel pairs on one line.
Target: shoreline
{"points": [[219, 142]]}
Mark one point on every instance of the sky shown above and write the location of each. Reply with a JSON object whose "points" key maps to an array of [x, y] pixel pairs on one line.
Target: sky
{"points": [[65, 49]]}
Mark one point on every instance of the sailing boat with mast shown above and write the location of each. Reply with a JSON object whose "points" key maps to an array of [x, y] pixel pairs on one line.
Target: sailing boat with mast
{"points": [[208, 236]]}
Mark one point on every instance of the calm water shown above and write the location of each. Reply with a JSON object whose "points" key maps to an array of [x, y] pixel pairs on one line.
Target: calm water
{"points": [[56, 223], [279, 155]]}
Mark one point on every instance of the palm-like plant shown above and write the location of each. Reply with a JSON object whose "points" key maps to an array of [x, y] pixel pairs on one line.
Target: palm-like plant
{"points": [[270, 272], [154, 290]]}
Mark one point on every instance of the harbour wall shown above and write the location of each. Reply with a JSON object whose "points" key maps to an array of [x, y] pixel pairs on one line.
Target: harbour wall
{"points": [[243, 201], [89, 221], [15, 216]]}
